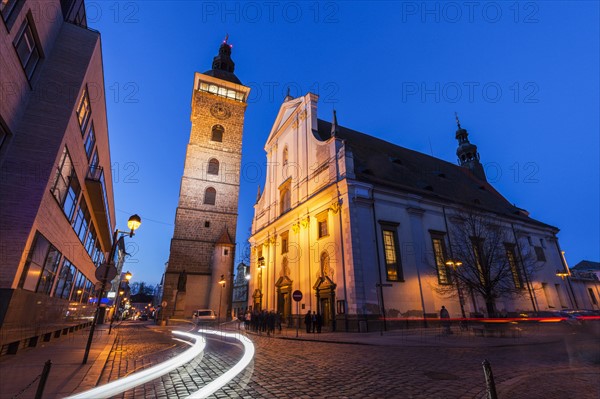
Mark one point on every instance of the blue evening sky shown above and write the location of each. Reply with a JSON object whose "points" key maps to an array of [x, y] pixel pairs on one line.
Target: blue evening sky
{"points": [[523, 77]]}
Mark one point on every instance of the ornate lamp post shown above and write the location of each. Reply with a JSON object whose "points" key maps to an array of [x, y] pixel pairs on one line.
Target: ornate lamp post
{"points": [[120, 292], [222, 282], [133, 223], [454, 264]]}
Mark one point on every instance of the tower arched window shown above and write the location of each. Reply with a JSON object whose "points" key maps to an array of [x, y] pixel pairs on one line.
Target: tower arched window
{"points": [[213, 167], [285, 200], [217, 133], [325, 271], [210, 196], [284, 157]]}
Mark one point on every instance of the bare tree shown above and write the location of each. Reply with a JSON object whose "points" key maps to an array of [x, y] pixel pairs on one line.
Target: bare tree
{"points": [[492, 265]]}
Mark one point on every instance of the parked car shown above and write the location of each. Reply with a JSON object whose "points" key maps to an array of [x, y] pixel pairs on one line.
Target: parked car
{"points": [[204, 315], [144, 317]]}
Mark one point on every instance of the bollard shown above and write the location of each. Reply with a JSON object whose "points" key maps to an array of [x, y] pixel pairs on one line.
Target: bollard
{"points": [[43, 379], [490, 385]]}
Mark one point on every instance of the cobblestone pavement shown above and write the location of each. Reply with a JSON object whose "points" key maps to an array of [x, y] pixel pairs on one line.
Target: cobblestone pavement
{"points": [[567, 367]]}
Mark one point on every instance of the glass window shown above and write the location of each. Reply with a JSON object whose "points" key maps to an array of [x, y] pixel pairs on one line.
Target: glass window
{"points": [[512, 263], [27, 48], [210, 196], [90, 241], [213, 167], [63, 174], [539, 253], [65, 280], [439, 253], [49, 271], [78, 290], [82, 220], [90, 142], [217, 133], [35, 263], [84, 110], [286, 200], [390, 250], [323, 228], [7, 7]]}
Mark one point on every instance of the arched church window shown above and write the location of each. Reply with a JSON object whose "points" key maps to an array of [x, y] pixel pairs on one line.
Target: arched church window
{"points": [[213, 167], [325, 271], [285, 200], [210, 196], [217, 133]]}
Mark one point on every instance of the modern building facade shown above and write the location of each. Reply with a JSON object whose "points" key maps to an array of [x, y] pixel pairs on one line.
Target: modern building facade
{"points": [[56, 194], [367, 229], [202, 248]]}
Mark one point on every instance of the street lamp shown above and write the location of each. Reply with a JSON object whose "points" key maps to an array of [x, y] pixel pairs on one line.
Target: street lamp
{"points": [[454, 264], [120, 292], [133, 223], [222, 282]]}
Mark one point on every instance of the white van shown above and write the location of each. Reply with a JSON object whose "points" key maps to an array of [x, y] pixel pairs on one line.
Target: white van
{"points": [[204, 315]]}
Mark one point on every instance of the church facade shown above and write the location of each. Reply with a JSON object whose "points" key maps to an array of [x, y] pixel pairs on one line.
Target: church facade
{"points": [[199, 274], [369, 231]]}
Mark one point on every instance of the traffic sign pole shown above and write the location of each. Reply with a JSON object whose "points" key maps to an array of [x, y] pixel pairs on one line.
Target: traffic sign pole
{"points": [[297, 296]]}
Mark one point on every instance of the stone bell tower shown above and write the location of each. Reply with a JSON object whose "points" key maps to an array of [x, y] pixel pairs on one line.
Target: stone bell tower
{"points": [[202, 247]]}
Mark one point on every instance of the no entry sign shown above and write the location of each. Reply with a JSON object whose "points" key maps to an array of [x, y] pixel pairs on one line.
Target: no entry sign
{"points": [[297, 295]]}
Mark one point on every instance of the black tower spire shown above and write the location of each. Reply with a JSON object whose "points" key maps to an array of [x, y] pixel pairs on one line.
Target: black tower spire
{"points": [[222, 65], [467, 152]]}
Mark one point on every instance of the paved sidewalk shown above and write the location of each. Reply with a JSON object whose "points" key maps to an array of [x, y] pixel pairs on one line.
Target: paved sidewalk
{"points": [[67, 375]]}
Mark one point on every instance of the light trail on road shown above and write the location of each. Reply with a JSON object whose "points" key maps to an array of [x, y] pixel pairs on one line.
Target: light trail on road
{"points": [[123, 384], [230, 374]]}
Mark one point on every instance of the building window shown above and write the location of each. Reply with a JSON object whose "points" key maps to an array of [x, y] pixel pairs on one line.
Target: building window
{"points": [[65, 280], [206, 223], [285, 200], [90, 142], [81, 220], [439, 254], [84, 110], [548, 295], [210, 196], [284, 242], [66, 187], [213, 167], [322, 225], [514, 266], [90, 241], [8, 8], [539, 253], [27, 48], [593, 296], [390, 249], [79, 289], [325, 267], [40, 268], [217, 133]]}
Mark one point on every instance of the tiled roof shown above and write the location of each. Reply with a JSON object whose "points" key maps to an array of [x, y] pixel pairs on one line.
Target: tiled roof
{"points": [[587, 265], [385, 164]]}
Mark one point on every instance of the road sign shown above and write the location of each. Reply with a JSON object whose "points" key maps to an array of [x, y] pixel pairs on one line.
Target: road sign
{"points": [[106, 271], [297, 295]]}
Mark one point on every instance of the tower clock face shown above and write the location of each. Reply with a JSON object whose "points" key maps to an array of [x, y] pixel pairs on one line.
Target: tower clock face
{"points": [[220, 111]]}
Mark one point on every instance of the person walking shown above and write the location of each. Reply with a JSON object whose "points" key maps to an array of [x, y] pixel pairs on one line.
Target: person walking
{"points": [[445, 323], [308, 321], [314, 321]]}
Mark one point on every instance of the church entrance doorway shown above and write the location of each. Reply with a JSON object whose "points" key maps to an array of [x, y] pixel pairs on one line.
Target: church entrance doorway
{"points": [[284, 298], [325, 293]]}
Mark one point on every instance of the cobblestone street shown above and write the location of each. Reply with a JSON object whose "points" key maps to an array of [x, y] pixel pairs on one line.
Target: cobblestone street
{"points": [[290, 368]]}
